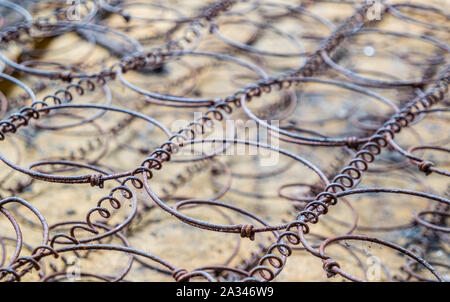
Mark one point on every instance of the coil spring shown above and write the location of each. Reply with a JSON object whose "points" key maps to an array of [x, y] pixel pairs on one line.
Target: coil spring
{"points": [[343, 181], [17, 120]]}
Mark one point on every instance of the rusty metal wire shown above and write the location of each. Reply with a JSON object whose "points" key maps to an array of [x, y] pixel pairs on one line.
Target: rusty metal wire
{"points": [[100, 181]]}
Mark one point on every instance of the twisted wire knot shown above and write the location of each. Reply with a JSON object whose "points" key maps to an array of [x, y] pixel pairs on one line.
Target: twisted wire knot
{"points": [[352, 142], [328, 265], [178, 274], [247, 231], [96, 180], [425, 166], [66, 76]]}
